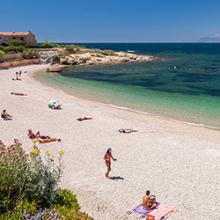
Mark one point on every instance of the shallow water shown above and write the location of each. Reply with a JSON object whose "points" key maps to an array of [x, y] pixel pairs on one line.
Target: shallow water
{"points": [[184, 85]]}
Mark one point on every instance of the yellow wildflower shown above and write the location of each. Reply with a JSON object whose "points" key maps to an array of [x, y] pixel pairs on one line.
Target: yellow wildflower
{"points": [[60, 152], [35, 152], [34, 141], [47, 152]]}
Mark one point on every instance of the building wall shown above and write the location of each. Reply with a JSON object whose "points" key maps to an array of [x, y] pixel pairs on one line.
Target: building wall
{"points": [[28, 39]]}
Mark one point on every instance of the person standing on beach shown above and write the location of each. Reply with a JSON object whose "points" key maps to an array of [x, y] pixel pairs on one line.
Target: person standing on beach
{"points": [[20, 72], [108, 156], [16, 75]]}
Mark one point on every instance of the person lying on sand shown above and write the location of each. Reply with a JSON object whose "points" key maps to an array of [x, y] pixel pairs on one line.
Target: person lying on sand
{"points": [[146, 198], [32, 135], [127, 130], [41, 138], [18, 93], [83, 119], [48, 140], [108, 156], [5, 115]]}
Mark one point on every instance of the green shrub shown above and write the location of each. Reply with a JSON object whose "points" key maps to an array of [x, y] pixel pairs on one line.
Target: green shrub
{"points": [[56, 59], [26, 206], [67, 213], [13, 46], [14, 49], [12, 215], [66, 198], [29, 54], [16, 43], [73, 48], [108, 53], [29, 186], [27, 176], [46, 44], [1, 54]]}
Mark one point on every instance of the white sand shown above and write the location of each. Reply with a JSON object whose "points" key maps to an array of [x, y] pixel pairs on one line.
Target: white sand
{"points": [[178, 162]]}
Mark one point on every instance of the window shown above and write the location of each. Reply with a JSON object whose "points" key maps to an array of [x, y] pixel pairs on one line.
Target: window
{"points": [[22, 38]]}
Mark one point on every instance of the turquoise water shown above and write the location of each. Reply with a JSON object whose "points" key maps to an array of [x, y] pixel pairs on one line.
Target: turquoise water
{"points": [[184, 84]]}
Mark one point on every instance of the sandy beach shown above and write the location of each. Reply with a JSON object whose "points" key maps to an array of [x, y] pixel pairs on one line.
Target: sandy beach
{"points": [[178, 162]]}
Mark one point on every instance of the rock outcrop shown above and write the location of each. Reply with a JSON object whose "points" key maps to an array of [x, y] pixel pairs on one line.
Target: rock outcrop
{"points": [[91, 58], [46, 56]]}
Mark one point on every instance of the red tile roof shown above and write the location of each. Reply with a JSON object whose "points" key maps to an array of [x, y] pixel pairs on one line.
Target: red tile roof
{"points": [[14, 33]]}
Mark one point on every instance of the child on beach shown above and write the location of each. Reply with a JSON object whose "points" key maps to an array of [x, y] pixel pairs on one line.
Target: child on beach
{"points": [[108, 156]]}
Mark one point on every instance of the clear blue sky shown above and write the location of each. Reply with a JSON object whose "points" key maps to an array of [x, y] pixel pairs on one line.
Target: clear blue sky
{"points": [[113, 20]]}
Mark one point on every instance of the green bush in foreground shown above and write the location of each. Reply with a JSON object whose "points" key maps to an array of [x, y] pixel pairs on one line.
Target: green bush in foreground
{"points": [[26, 176], [29, 186]]}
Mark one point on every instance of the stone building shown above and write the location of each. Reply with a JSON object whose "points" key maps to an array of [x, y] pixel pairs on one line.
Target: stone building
{"points": [[27, 37]]}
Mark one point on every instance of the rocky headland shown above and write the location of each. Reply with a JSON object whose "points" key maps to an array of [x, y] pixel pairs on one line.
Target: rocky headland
{"points": [[89, 57], [103, 57]]}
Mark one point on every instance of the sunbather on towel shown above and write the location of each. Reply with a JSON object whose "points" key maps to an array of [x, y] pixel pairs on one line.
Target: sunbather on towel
{"points": [[5, 115], [18, 93], [151, 202], [32, 135], [48, 140], [127, 130], [146, 198], [83, 119], [56, 107]]}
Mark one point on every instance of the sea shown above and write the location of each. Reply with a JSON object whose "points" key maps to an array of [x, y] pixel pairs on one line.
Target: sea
{"points": [[182, 84]]}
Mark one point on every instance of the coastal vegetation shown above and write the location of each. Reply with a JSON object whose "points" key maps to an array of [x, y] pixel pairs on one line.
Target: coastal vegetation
{"points": [[29, 186], [1, 55]]}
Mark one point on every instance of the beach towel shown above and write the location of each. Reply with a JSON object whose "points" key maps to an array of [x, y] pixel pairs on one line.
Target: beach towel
{"points": [[143, 211], [163, 212], [159, 213]]}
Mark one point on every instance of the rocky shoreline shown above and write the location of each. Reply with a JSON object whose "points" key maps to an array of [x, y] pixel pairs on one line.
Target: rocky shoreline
{"points": [[91, 57], [94, 58]]}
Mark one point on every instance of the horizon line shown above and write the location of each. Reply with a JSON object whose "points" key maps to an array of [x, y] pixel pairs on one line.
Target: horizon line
{"points": [[153, 42]]}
